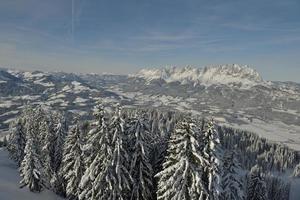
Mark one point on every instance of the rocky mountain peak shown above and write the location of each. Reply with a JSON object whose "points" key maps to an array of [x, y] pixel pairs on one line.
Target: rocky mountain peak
{"points": [[218, 74]]}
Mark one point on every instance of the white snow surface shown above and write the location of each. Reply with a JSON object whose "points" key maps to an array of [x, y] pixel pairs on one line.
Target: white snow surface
{"points": [[274, 131], [9, 183], [222, 74], [80, 100], [295, 192], [31, 75], [6, 103], [78, 87], [46, 84]]}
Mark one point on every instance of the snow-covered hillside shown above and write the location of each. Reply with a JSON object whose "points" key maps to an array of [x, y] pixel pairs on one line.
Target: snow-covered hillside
{"points": [[9, 183], [223, 74]]}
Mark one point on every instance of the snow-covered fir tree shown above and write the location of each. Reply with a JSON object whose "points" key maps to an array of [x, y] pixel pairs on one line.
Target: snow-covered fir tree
{"points": [[31, 167], [115, 181], [92, 144], [232, 183], [212, 152], [47, 151], [3, 142], [85, 128], [100, 158], [162, 126], [296, 172], [72, 163], [256, 186], [60, 129], [154, 122], [17, 140], [183, 169], [60, 136], [141, 169]]}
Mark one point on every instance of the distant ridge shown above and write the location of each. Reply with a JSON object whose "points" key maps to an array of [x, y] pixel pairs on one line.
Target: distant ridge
{"points": [[220, 74]]}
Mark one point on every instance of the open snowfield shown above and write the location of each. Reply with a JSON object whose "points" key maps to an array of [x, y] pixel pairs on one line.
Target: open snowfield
{"points": [[295, 189], [274, 131], [9, 183]]}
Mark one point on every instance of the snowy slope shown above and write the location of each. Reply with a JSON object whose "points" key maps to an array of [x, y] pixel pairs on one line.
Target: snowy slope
{"points": [[64, 91], [295, 192], [9, 179]]}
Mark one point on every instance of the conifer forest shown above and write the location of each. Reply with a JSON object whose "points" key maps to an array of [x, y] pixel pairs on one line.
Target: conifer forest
{"points": [[145, 154]]}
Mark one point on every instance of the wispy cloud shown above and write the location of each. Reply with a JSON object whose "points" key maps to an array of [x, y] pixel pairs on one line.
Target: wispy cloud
{"points": [[167, 37], [156, 43], [249, 26]]}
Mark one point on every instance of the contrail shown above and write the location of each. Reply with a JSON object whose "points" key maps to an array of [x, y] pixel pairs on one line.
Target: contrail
{"points": [[73, 17]]}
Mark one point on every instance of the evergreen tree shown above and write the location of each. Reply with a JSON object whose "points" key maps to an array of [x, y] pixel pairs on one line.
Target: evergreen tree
{"points": [[114, 181], [296, 172], [60, 136], [60, 130], [31, 166], [183, 169], [85, 129], [92, 144], [212, 152], [47, 151], [72, 163], [141, 170], [89, 182], [3, 142], [17, 140], [232, 185], [256, 189]]}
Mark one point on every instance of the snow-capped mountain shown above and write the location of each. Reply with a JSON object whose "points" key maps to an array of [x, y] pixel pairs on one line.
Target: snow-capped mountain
{"points": [[223, 74]]}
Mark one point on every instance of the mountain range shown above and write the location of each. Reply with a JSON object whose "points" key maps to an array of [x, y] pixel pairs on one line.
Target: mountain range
{"points": [[233, 95]]}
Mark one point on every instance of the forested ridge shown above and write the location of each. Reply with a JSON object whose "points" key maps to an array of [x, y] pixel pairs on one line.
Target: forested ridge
{"points": [[146, 154]]}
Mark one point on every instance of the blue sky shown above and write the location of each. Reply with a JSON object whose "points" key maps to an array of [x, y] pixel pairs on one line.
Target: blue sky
{"points": [[123, 36]]}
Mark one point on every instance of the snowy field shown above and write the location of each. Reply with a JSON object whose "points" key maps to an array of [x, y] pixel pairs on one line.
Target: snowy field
{"points": [[295, 189], [9, 183], [274, 131]]}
